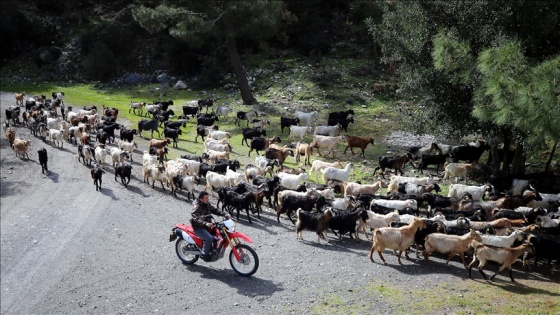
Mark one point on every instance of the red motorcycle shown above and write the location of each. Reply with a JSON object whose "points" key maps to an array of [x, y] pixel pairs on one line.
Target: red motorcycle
{"points": [[242, 258]]}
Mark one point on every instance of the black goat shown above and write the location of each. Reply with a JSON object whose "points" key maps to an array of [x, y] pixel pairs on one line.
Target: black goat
{"points": [[43, 159], [124, 170], [287, 122]]}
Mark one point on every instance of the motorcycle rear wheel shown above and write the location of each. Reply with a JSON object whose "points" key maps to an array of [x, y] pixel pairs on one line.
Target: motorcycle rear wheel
{"points": [[181, 246], [249, 262]]}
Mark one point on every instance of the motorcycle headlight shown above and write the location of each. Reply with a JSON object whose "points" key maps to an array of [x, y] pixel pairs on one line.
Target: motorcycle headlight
{"points": [[230, 225]]}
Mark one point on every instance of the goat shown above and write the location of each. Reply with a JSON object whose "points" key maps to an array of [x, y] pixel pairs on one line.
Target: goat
{"points": [[96, 175], [417, 152], [359, 142], [397, 239], [330, 131], [468, 152], [288, 122], [259, 144], [313, 221], [342, 122], [338, 174], [299, 131], [279, 155], [503, 256], [477, 192], [123, 170], [43, 159], [395, 162], [19, 98], [319, 165], [250, 133], [414, 189], [326, 142], [458, 170], [291, 181], [354, 189], [341, 114], [374, 220], [425, 160], [244, 116], [305, 118], [450, 245]]}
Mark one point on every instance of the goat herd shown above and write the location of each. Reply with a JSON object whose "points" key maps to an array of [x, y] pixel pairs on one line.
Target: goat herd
{"points": [[507, 219]]}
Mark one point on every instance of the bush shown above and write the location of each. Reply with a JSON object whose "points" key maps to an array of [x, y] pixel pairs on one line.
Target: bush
{"points": [[100, 63]]}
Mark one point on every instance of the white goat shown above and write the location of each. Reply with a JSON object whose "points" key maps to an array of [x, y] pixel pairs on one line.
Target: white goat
{"points": [[375, 221], [319, 165], [193, 166], [338, 174], [292, 181], [299, 131], [218, 134], [501, 241], [215, 181], [235, 177], [326, 142], [251, 172], [128, 146], [305, 118], [328, 130], [477, 192]]}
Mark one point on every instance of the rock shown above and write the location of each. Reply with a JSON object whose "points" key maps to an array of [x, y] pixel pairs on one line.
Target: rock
{"points": [[133, 78], [163, 78]]}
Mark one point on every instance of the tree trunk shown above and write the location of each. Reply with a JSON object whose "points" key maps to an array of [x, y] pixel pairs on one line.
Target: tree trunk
{"points": [[239, 71], [547, 167], [495, 161], [518, 166], [507, 145]]}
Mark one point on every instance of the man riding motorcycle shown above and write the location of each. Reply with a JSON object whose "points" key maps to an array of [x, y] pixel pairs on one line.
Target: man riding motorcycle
{"points": [[201, 220]]}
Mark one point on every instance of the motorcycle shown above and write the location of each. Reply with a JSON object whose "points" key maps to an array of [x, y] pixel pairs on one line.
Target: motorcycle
{"points": [[242, 258]]}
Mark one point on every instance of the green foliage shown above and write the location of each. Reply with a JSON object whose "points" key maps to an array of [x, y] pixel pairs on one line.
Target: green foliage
{"points": [[435, 44], [454, 58]]}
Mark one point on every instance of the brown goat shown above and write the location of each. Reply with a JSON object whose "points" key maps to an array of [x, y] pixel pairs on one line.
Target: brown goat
{"points": [[11, 135], [281, 155], [85, 138], [397, 239], [358, 142], [158, 144], [304, 149], [19, 98]]}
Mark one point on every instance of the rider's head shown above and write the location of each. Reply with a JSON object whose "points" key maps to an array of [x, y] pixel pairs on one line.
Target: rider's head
{"points": [[203, 197]]}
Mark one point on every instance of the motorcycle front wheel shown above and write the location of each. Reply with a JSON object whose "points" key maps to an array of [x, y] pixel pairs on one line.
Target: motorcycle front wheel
{"points": [[248, 263], [182, 248]]}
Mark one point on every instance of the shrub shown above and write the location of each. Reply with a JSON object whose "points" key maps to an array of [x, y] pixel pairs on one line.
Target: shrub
{"points": [[100, 63]]}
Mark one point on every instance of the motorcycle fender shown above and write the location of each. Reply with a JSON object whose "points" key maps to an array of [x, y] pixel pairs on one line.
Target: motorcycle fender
{"points": [[241, 236], [187, 237]]}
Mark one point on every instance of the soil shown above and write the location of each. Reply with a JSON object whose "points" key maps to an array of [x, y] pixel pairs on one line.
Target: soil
{"points": [[67, 248]]}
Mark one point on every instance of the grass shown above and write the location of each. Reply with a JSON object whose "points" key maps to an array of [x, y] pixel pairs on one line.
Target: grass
{"points": [[461, 297], [279, 93]]}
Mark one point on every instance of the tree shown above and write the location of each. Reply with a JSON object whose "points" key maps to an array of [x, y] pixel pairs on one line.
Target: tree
{"points": [[196, 22], [435, 45]]}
